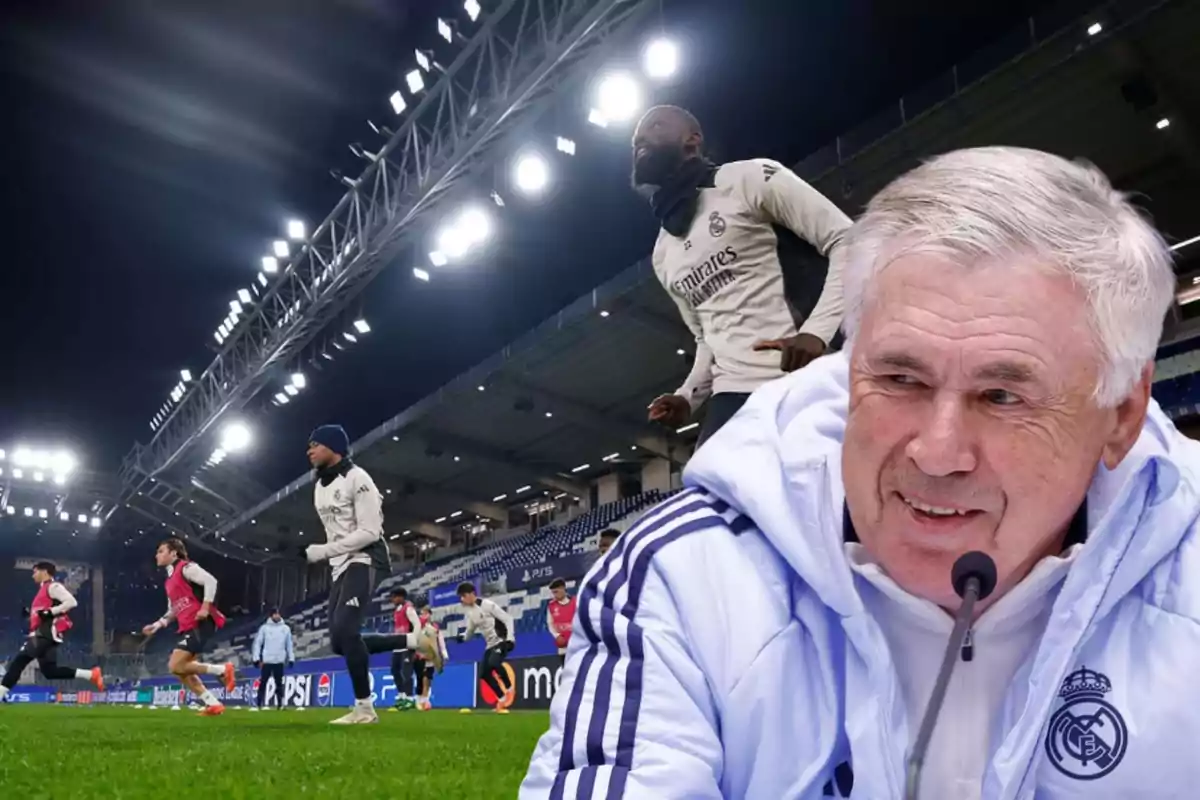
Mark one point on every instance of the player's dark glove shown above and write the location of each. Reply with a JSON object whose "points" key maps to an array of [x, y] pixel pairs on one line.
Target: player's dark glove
{"points": [[46, 613], [507, 647]]}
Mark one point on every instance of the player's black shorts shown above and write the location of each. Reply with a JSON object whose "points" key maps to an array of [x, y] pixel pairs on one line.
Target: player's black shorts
{"points": [[426, 670], [195, 640], [38, 647]]}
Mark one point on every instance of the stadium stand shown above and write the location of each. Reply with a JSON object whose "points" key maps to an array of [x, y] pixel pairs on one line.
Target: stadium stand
{"points": [[309, 619]]}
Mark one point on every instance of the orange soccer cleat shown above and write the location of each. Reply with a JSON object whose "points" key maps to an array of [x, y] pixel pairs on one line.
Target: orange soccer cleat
{"points": [[213, 711], [97, 679], [228, 678]]}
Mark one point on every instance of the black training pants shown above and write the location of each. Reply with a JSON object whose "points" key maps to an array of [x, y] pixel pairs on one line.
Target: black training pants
{"points": [[402, 672], [348, 600], [273, 672], [491, 667], [44, 651], [720, 409]]}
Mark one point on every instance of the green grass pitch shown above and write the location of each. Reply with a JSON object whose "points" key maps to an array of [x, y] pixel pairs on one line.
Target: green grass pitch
{"points": [[79, 753]]}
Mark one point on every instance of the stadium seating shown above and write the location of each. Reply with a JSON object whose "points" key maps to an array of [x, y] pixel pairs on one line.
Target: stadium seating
{"points": [[527, 607]]}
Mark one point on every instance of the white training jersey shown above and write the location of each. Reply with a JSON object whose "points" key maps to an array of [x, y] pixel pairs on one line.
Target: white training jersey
{"points": [[727, 277], [351, 511], [492, 621]]}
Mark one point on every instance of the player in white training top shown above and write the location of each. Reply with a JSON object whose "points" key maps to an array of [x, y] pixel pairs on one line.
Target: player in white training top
{"points": [[743, 251]]}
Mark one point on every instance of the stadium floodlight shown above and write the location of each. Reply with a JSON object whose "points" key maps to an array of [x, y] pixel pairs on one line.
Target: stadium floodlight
{"points": [[235, 437], [660, 59], [424, 63], [245, 297], [420, 274], [415, 82], [612, 457], [439, 520], [397, 101], [597, 118], [24, 457], [473, 9], [10, 510], [361, 326], [604, 314], [63, 462], [18, 473], [270, 265], [262, 279], [235, 307], [95, 522], [295, 229], [524, 489], [43, 513], [280, 248], [1163, 124], [619, 97], [64, 517], [565, 145], [531, 174], [81, 519], [350, 337], [299, 380], [291, 390], [60, 479], [499, 497], [282, 399], [456, 515], [689, 427], [452, 242], [28, 511], [549, 414], [438, 258], [185, 375], [39, 476], [445, 31], [475, 225], [1094, 28], [3, 455]]}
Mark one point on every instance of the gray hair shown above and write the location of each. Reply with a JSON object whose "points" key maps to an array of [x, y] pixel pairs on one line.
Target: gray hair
{"points": [[976, 204]]}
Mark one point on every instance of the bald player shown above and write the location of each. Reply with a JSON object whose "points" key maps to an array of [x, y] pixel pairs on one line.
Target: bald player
{"points": [[743, 251]]}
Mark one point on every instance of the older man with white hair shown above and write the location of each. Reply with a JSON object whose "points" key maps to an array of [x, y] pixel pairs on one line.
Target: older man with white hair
{"points": [[776, 630]]}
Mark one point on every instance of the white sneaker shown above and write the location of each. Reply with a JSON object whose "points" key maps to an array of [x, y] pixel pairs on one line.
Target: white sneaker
{"points": [[357, 716]]}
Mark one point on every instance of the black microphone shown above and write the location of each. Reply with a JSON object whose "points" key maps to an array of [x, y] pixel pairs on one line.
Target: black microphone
{"points": [[974, 578]]}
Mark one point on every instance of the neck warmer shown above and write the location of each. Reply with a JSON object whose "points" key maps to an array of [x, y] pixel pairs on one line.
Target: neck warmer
{"points": [[675, 202]]}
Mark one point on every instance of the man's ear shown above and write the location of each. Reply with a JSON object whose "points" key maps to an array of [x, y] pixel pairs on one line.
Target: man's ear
{"points": [[1130, 417]]}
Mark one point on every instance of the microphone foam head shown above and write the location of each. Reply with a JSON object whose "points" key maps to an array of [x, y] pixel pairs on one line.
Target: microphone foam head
{"points": [[974, 565]]}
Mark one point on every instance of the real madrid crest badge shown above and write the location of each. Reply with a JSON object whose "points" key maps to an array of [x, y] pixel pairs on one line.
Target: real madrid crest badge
{"points": [[1087, 736], [716, 225]]}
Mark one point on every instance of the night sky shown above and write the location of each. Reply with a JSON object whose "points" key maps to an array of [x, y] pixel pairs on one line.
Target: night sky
{"points": [[152, 150]]}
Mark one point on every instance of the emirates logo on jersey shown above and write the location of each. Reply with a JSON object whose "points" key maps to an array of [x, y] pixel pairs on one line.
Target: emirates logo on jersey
{"points": [[708, 278]]}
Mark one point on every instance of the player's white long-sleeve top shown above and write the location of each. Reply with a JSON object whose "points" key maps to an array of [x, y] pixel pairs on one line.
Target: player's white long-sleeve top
{"points": [[490, 620], [727, 276], [351, 511]]}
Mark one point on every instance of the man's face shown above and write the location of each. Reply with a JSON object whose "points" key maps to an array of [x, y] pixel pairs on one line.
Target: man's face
{"points": [[559, 592], [467, 599], [164, 556], [320, 456], [972, 424], [605, 544], [277, 617], [40, 576], [661, 142], [397, 600]]}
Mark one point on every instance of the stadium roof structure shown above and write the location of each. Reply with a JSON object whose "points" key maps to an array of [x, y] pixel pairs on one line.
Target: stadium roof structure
{"points": [[550, 411], [574, 390]]}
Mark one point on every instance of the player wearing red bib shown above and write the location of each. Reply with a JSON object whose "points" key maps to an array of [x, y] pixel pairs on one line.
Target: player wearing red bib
{"points": [[198, 621], [48, 621], [424, 670], [404, 621], [560, 614]]}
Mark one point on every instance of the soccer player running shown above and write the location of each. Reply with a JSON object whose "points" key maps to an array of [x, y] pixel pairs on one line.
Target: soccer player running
{"points": [[496, 626], [48, 621], [741, 248], [198, 622], [404, 620], [560, 614], [351, 511], [424, 670]]}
